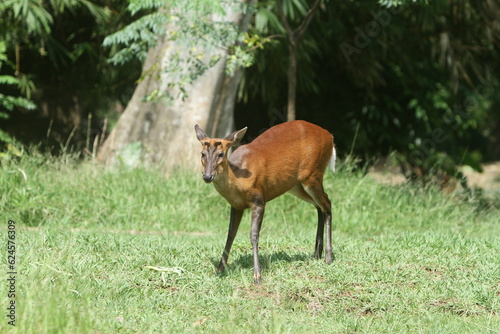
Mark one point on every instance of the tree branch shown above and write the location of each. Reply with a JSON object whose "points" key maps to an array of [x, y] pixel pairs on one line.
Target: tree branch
{"points": [[295, 35], [307, 19], [284, 20]]}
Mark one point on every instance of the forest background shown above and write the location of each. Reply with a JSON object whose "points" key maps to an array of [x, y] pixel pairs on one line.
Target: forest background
{"points": [[417, 79]]}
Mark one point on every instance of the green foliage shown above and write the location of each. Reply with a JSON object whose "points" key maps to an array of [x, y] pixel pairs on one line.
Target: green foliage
{"points": [[8, 102], [138, 37], [34, 18], [58, 56], [407, 259], [11, 102], [268, 28], [8, 80], [198, 32], [30, 17], [416, 77], [424, 84]]}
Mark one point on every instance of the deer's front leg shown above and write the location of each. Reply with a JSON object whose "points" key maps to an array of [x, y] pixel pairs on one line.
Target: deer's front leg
{"points": [[257, 216], [234, 223]]}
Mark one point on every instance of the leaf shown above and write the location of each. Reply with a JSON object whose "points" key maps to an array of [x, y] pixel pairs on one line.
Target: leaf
{"points": [[300, 6], [100, 14], [5, 138], [11, 102], [3, 49], [14, 150], [413, 104], [34, 15], [136, 6], [261, 19], [8, 80]]}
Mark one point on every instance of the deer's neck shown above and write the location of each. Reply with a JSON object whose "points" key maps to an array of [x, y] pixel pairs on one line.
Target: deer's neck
{"points": [[228, 184]]}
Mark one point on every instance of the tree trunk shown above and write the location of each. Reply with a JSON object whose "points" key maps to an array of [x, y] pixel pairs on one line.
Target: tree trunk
{"points": [[294, 36], [292, 80], [165, 130]]}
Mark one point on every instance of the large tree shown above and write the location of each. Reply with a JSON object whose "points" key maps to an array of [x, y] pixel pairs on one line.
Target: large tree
{"points": [[185, 82]]}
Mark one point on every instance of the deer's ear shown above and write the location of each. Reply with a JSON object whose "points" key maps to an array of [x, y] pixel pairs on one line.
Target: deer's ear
{"points": [[200, 134], [235, 137]]}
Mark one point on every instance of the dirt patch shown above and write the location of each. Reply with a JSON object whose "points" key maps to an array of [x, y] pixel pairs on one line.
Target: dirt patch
{"points": [[457, 307], [488, 180], [257, 291]]}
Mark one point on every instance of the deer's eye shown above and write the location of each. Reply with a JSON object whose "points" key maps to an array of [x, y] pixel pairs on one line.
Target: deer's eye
{"points": [[221, 155], [202, 154]]}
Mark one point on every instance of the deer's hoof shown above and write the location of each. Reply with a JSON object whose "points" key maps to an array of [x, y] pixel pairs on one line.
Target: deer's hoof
{"points": [[257, 279]]}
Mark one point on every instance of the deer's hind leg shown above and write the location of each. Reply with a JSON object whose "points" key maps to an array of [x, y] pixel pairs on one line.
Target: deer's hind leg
{"points": [[324, 215], [314, 188]]}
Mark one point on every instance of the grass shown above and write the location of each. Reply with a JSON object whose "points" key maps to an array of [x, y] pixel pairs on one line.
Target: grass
{"points": [[408, 260]]}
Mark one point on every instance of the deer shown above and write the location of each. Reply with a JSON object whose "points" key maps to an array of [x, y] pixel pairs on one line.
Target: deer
{"points": [[289, 157]]}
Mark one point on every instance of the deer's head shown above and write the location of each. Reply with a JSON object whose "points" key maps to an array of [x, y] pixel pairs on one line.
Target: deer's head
{"points": [[214, 152]]}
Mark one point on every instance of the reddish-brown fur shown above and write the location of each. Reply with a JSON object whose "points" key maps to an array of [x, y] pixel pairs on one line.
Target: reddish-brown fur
{"points": [[289, 157]]}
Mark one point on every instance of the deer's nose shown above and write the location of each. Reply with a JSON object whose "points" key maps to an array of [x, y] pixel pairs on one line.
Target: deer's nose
{"points": [[208, 178]]}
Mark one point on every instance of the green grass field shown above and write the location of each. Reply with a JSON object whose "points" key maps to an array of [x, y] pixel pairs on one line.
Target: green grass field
{"points": [[87, 239]]}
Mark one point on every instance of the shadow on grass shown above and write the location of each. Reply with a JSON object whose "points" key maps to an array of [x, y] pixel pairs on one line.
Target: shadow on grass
{"points": [[266, 260]]}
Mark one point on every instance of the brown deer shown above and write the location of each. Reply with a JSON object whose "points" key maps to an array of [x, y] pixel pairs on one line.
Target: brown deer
{"points": [[289, 157]]}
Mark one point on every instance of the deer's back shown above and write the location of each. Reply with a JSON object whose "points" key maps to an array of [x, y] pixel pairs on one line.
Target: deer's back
{"points": [[283, 155]]}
